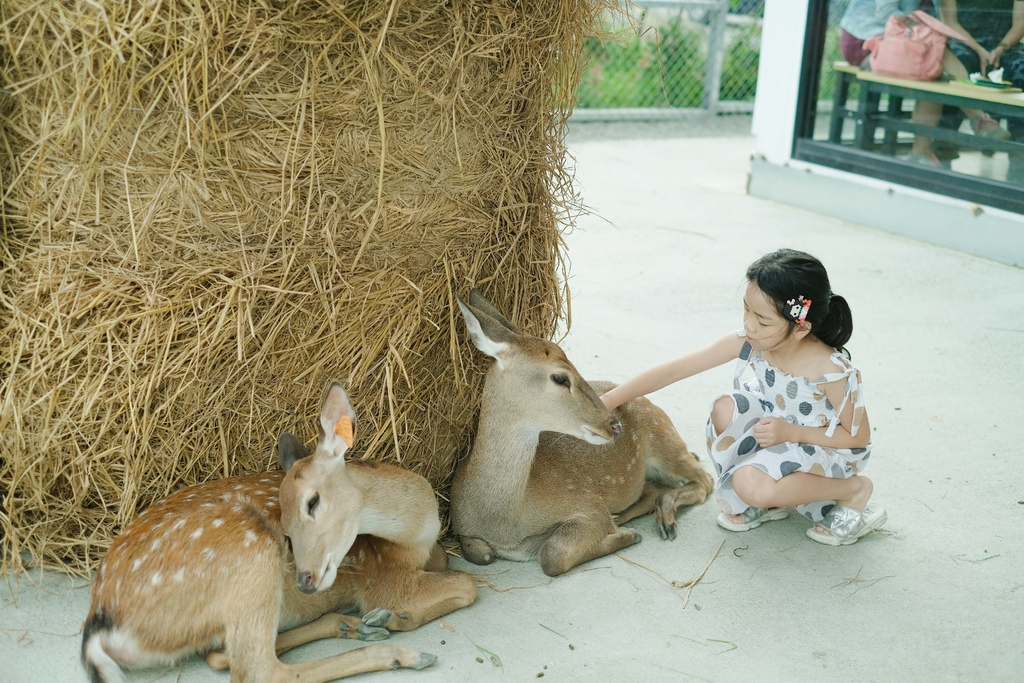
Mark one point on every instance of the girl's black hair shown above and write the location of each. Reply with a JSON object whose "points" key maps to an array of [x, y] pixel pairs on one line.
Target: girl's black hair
{"points": [[788, 274]]}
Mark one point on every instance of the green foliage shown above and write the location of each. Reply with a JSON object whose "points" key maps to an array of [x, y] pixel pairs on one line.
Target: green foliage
{"points": [[665, 67], [827, 81], [739, 69]]}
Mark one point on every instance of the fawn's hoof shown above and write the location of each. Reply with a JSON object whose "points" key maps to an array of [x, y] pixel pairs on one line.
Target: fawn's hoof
{"points": [[377, 617], [426, 659], [372, 633]]}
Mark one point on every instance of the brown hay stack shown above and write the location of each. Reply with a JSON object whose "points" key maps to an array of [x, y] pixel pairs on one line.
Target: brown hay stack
{"points": [[211, 209]]}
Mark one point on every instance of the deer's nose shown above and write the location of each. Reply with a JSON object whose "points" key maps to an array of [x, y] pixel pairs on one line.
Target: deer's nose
{"points": [[304, 580], [616, 427]]}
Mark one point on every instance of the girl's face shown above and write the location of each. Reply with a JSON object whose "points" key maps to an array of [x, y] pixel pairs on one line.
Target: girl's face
{"points": [[764, 327]]}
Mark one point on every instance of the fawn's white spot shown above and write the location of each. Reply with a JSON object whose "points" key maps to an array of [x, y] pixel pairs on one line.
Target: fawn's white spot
{"points": [[250, 538], [157, 579], [136, 564], [197, 533], [179, 576], [218, 523], [177, 525], [209, 554], [156, 544]]}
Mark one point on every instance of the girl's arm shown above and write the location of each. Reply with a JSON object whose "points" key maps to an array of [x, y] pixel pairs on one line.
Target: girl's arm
{"points": [[722, 351], [773, 430]]}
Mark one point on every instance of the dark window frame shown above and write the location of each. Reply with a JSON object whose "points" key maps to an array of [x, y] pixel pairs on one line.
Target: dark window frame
{"points": [[984, 191]]}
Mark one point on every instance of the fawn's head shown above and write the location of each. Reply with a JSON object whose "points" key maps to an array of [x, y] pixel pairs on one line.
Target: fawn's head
{"points": [[320, 507], [536, 377]]}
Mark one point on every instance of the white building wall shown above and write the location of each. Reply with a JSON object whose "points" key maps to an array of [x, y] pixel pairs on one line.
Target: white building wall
{"points": [[778, 78]]}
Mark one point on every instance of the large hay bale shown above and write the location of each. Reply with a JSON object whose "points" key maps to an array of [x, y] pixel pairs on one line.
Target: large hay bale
{"points": [[210, 209]]}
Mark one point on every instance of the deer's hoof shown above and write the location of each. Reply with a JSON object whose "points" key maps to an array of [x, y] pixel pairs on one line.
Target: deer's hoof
{"points": [[667, 531], [377, 617], [372, 633], [477, 551], [426, 659]]}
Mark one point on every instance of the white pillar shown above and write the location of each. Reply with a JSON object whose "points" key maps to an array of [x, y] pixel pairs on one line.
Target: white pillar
{"points": [[778, 78]]}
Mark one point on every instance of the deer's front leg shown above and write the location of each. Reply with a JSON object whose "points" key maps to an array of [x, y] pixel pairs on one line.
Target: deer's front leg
{"points": [[642, 506], [582, 539], [476, 550]]}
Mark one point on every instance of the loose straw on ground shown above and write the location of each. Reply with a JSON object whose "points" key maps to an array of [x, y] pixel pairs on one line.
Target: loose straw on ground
{"points": [[689, 585]]}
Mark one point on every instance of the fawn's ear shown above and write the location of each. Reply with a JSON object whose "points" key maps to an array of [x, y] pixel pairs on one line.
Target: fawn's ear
{"points": [[337, 422], [488, 329], [289, 450]]}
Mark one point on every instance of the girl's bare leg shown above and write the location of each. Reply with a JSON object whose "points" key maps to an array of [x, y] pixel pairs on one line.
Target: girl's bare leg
{"points": [[758, 489]]}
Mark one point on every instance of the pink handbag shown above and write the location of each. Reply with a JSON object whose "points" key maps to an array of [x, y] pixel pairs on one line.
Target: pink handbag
{"points": [[910, 49]]}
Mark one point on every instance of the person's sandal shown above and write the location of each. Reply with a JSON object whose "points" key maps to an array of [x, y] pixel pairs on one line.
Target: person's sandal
{"points": [[926, 159], [987, 127], [846, 525], [752, 518]]}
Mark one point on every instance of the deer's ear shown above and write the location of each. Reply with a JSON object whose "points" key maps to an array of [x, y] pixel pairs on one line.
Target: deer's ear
{"points": [[478, 301], [487, 334], [337, 422], [289, 450]]}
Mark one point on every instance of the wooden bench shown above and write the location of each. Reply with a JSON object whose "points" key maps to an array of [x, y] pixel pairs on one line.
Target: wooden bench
{"points": [[868, 114]]}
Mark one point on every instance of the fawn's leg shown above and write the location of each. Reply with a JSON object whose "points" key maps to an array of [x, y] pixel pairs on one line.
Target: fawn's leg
{"points": [[360, 660], [334, 625], [414, 597]]}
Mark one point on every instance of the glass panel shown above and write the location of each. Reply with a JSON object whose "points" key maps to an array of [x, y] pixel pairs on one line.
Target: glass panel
{"points": [[948, 135]]}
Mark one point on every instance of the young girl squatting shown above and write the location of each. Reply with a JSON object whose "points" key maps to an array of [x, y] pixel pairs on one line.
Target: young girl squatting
{"points": [[777, 439]]}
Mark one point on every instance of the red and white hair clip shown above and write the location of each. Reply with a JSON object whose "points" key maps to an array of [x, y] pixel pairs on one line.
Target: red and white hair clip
{"points": [[798, 308]]}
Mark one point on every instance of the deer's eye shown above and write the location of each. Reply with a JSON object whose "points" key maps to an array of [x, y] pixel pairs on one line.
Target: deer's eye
{"points": [[312, 503], [561, 379]]}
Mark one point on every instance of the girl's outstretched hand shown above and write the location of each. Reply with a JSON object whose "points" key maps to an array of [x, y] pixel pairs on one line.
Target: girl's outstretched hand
{"points": [[772, 430]]}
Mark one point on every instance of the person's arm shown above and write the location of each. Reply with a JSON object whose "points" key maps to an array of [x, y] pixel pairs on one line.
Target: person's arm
{"points": [[722, 351], [773, 430], [947, 13], [1013, 36]]}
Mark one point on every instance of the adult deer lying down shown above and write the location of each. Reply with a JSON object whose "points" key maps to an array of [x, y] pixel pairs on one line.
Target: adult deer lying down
{"points": [[210, 567], [546, 476]]}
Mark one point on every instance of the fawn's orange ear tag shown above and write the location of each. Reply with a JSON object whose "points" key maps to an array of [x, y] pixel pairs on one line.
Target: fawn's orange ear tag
{"points": [[344, 429]]}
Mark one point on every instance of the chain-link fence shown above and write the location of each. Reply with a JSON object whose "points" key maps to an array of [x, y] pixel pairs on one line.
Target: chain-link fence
{"points": [[665, 56]]}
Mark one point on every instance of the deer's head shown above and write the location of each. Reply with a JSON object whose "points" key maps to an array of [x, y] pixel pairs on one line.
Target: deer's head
{"points": [[320, 507], [536, 374]]}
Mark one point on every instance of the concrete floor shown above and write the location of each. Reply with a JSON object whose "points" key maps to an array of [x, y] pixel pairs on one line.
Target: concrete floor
{"points": [[657, 270]]}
